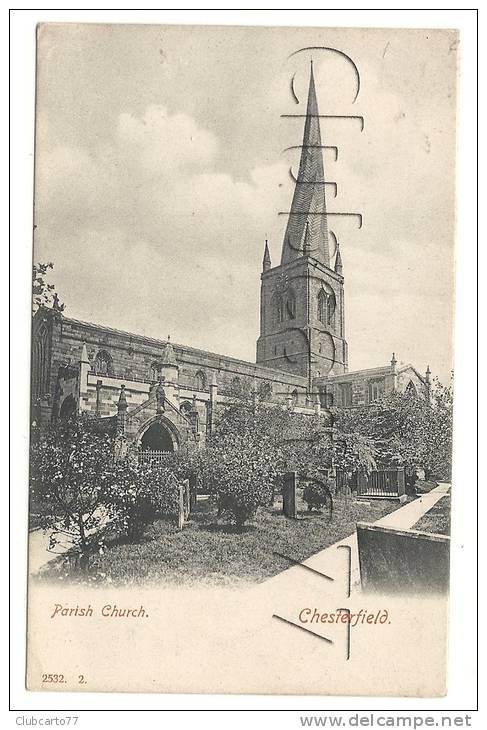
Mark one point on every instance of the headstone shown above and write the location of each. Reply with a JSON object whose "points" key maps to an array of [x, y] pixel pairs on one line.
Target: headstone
{"points": [[289, 495], [186, 498], [192, 492], [180, 506]]}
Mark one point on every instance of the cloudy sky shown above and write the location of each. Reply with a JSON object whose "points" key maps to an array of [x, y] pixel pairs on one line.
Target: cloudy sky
{"points": [[161, 168]]}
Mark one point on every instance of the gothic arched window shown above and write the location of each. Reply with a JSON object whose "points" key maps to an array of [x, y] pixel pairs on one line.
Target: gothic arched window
{"points": [[331, 309], [326, 307], [278, 307], [201, 380], [345, 390], [326, 398], [186, 408], [375, 389], [154, 372], [103, 363], [291, 305], [411, 389]]}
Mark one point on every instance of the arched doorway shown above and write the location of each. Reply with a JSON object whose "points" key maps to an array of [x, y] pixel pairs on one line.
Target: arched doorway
{"points": [[157, 438]]}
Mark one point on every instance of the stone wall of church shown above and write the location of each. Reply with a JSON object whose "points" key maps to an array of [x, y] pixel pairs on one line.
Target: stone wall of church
{"points": [[361, 387], [116, 357]]}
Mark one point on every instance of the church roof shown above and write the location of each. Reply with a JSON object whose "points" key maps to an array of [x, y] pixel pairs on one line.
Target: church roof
{"points": [[371, 372], [307, 217], [153, 342]]}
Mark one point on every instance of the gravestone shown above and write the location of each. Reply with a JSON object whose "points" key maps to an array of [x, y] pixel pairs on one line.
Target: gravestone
{"points": [[180, 506], [289, 494], [192, 492], [186, 498]]}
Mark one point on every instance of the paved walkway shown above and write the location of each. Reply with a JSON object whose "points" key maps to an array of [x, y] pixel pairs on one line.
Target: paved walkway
{"points": [[39, 541], [270, 635], [39, 553], [331, 560], [407, 516]]}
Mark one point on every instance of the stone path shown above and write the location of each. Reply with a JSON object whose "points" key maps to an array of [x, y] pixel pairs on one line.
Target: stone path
{"points": [[407, 516], [332, 560], [39, 553]]}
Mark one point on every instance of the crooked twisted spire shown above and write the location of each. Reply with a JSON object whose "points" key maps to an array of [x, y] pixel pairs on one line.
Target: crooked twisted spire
{"points": [[307, 228]]}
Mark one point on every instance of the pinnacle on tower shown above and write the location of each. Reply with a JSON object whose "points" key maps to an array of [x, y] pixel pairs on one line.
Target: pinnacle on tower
{"points": [[266, 261], [84, 354], [338, 261], [122, 399], [307, 241], [308, 208]]}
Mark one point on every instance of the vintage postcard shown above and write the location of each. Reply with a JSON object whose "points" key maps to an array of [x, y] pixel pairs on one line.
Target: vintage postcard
{"points": [[241, 396]]}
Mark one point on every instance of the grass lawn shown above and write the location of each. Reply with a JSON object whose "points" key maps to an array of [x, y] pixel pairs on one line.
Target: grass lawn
{"points": [[210, 551], [437, 520]]}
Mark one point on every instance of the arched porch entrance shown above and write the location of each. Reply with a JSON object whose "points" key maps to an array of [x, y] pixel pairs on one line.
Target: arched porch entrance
{"points": [[157, 438]]}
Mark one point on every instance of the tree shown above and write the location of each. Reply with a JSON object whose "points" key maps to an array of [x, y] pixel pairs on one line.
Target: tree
{"points": [[43, 293], [353, 452], [72, 469], [411, 431], [274, 440]]}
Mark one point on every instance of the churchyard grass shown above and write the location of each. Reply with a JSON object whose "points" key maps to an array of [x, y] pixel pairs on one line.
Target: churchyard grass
{"points": [[437, 520], [211, 551]]}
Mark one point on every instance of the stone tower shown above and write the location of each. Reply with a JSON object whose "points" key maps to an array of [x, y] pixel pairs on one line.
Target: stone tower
{"points": [[302, 323]]}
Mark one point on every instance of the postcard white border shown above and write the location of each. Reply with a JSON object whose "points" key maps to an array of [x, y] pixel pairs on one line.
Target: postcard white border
{"points": [[462, 681]]}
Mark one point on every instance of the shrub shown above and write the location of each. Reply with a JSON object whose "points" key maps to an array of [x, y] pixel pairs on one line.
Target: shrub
{"points": [[317, 494], [239, 472], [138, 493]]}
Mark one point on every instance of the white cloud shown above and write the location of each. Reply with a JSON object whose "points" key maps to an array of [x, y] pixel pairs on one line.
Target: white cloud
{"points": [[159, 144], [149, 221]]}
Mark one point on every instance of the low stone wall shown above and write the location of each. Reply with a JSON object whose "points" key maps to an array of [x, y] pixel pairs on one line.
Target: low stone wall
{"points": [[402, 561]]}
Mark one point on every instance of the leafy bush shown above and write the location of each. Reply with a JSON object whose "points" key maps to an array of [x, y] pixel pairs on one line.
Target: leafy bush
{"points": [[138, 493], [239, 471], [317, 494]]}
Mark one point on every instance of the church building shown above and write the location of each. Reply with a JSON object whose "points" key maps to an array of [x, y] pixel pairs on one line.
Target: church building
{"points": [[163, 396]]}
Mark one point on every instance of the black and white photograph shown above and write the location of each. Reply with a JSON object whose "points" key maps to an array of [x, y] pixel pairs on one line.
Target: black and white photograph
{"points": [[242, 362]]}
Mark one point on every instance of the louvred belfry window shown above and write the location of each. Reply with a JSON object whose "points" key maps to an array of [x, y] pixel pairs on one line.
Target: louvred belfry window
{"points": [[326, 308], [291, 305], [278, 307]]}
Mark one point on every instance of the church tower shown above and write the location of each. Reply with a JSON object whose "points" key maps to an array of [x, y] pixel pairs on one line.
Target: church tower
{"points": [[302, 323]]}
